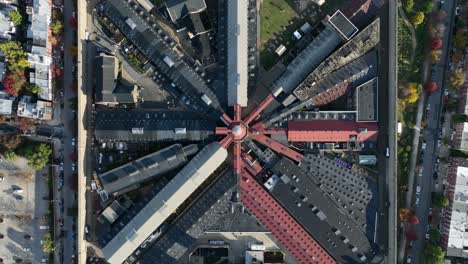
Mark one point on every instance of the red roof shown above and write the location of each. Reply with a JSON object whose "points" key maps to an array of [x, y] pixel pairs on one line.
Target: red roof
{"points": [[331, 131], [300, 244]]}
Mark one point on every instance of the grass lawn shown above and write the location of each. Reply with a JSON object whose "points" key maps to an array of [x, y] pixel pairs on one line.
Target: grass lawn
{"points": [[274, 16]]}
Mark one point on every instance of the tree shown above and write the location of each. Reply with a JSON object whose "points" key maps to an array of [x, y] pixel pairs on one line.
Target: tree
{"points": [[456, 58], [13, 82], [404, 214], [53, 40], [48, 244], [56, 14], [10, 155], [37, 155], [435, 56], [15, 54], [15, 17], [434, 235], [436, 43], [10, 142], [437, 30], [408, 5], [56, 27], [33, 88], [24, 123], [457, 79], [430, 87], [434, 254], [428, 6], [459, 40], [440, 15], [413, 220], [411, 235], [440, 201], [418, 18], [73, 51]]}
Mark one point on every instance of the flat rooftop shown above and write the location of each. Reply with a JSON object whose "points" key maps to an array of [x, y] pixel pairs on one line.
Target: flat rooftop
{"points": [[145, 168], [309, 58], [237, 49], [143, 125], [194, 222], [346, 28], [307, 201], [165, 203], [366, 97], [352, 74]]}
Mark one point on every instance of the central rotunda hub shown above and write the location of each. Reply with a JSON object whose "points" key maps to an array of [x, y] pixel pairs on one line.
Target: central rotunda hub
{"points": [[238, 130]]}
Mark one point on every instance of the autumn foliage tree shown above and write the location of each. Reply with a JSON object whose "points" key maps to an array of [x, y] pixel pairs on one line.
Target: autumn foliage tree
{"points": [[13, 82], [411, 235], [436, 55], [430, 87], [418, 18], [436, 44]]}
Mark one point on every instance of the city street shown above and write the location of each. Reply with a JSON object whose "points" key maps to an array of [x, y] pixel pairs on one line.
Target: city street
{"points": [[69, 185], [431, 136]]}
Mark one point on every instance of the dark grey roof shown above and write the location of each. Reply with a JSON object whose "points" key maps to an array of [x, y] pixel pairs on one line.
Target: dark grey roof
{"points": [[309, 58], [105, 76], [105, 231], [139, 125], [357, 72], [180, 8], [343, 25], [306, 200], [194, 222], [107, 90], [148, 38], [148, 167], [367, 100]]}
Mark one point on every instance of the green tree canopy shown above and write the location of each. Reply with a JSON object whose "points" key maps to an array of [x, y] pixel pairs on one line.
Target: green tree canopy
{"points": [[48, 245], [434, 235], [434, 254], [33, 88], [15, 17], [15, 54], [408, 5], [56, 27], [428, 7], [10, 155], [439, 200], [37, 155]]}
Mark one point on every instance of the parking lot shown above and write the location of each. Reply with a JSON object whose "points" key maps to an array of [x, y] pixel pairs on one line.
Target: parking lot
{"points": [[23, 209]]}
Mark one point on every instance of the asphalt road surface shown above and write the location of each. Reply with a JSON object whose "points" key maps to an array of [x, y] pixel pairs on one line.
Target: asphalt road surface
{"points": [[431, 135], [391, 161]]}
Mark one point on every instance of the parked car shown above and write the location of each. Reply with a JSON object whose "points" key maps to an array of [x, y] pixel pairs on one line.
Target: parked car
{"points": [[18, 190]]}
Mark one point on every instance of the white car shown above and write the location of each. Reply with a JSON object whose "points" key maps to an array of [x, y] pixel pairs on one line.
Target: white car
{"points": [[17, 191]]}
